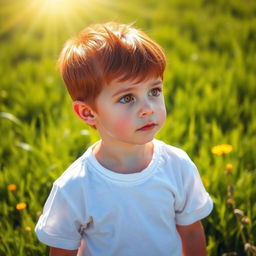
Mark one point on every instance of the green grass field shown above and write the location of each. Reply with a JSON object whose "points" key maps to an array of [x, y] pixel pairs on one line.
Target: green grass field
{"points": [[210, 92]]}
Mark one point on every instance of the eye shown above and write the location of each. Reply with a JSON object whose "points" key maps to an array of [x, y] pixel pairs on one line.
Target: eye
{"points": [[155, 92], [126, 99]]}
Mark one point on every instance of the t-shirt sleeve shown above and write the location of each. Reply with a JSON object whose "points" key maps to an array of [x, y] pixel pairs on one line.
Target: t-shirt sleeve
{"points": [[193, 202], [59, 224]]}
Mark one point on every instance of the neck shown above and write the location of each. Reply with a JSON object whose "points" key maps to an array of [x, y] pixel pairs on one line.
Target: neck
{"points": [[122, 157]]}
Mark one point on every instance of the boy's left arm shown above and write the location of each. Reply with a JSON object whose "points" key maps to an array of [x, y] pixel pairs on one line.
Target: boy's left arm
{"points": [[193, 239]]}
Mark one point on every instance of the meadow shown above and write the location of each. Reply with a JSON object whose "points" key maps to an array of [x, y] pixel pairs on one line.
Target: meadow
{"points": [[210, 92]]}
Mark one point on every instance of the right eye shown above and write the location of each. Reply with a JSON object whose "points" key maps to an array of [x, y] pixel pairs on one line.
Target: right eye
{"points": [[126, 99]]}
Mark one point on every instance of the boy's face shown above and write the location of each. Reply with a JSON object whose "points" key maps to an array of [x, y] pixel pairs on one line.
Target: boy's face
{"points": [[130, 113]]}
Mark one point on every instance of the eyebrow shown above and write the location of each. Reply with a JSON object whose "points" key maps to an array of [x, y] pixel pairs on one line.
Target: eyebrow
{"points": [[157, 82]]}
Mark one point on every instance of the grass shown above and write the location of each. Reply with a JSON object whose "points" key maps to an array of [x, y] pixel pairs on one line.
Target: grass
{"points": [[210, 91]]}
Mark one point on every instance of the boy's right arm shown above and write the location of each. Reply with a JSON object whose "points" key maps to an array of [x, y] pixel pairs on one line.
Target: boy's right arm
{"points": [[62, 252]]}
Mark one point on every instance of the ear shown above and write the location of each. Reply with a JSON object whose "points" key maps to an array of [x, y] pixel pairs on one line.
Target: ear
{"points": [[84, 112]]}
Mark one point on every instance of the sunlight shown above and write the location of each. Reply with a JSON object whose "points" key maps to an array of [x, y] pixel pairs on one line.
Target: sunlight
{"points": [[50, 21], [54, 7]]}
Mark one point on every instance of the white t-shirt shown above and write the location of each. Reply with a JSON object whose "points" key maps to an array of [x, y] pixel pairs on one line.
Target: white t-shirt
{"points": [[124, 214]]}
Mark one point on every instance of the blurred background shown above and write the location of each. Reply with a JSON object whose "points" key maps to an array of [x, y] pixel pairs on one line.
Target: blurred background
{"points": [[210, 92]]}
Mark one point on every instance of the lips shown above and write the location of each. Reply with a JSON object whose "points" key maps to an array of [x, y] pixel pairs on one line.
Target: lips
{"points": [[146, 127]]}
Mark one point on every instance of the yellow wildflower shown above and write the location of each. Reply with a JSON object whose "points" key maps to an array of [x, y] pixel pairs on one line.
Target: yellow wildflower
{"points": [[229, 168], [222, 149], [28, 229], [21, 206], [12, 187]]}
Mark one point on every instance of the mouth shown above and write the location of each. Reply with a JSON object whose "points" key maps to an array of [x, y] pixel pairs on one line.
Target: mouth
{"points": [[148, 126]]}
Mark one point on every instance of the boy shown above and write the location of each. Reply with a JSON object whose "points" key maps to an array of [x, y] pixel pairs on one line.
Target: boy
{"points": [[128, 194]]}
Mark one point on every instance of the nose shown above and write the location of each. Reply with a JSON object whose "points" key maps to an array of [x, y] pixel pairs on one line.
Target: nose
{"points": [[146, 110]]}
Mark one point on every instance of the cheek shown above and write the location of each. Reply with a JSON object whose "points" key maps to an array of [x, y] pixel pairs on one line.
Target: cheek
{"points": [[117, 122], [122, 124], [161, 113], [162, 118]]}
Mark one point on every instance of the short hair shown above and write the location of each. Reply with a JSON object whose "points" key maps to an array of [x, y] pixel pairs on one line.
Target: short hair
{"points": [[102, 53]]}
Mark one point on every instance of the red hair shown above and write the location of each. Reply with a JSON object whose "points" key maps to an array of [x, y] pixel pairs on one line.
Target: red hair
{"points": [[103, 52]]}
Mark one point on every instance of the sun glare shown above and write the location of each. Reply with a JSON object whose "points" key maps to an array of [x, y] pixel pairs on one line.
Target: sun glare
{"points": [[49, 21], [54, 7]]}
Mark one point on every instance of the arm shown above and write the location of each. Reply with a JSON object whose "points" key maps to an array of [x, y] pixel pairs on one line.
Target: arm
{"points": [[62, 252], [193, 239]]}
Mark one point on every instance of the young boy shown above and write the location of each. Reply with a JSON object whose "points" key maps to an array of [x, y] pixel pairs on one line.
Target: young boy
{"points": [[128, 194]]}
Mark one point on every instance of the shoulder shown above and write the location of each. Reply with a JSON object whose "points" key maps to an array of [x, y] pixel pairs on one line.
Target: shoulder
{"points": [[176, 161], [172, 153], [75, 175]]}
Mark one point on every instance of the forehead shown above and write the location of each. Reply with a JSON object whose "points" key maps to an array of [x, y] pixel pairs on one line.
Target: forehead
{"points": [[117, 84]]}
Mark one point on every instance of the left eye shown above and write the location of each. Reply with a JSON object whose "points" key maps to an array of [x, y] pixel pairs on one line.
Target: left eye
{"points": [[155, 92]]}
